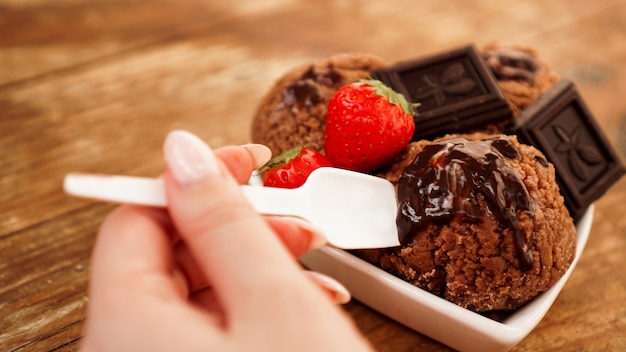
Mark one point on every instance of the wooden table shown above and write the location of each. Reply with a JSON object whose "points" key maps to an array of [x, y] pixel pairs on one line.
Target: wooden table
{"points": [[96, 85]]}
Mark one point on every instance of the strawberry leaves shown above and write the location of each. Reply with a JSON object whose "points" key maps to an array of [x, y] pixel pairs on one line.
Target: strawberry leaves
{"points": [[394, 97]]}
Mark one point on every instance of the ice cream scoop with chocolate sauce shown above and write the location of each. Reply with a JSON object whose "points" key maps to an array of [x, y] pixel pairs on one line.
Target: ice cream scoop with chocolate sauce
{"points": [[481, 220], [450, 178]]}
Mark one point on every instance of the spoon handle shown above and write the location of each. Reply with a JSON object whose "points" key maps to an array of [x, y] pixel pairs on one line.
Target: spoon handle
{"points": [[277, 201], [151, 192], [117, 189]]}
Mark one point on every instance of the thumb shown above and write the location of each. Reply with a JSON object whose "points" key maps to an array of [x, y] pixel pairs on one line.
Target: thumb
{"points": [[232, 244]]}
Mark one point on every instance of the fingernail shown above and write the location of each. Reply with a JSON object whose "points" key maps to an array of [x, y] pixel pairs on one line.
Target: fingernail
{"points": [[260, 153], [316, 238], [338, 292], [189, 158]]}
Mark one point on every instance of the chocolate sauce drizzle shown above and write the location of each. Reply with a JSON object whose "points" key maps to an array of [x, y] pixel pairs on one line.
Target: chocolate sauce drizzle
{"points": [[448, 178], [306, 91], [512, 64]]}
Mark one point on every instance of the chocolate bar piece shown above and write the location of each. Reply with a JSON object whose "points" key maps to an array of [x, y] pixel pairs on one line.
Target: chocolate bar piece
{"points": [[562, 127], [456, 91]]}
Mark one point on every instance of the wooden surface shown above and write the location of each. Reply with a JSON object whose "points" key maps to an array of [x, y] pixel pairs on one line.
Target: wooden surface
{"points": [[96, 85]]}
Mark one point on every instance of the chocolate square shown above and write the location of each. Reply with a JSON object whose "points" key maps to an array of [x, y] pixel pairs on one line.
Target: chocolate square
{"points": [[560, 124], [456, 91]]}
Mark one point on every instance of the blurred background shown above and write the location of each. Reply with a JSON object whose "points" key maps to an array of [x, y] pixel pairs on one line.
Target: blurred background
{"points": [[96, 85]]}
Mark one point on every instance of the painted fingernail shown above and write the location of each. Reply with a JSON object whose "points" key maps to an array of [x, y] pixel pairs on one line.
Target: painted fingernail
{"points": [[337, 292], [316, 238], [189, 158], [260, 153]]}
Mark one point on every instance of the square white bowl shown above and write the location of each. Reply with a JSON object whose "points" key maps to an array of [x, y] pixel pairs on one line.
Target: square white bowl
{"points": [[431, 315]]}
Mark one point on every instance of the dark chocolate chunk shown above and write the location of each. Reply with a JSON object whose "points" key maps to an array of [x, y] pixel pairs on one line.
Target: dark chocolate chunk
{"points": [[456, 91], [562, 127]]}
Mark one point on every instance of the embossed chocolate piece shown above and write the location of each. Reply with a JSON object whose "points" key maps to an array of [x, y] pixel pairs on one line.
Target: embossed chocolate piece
{"points": [[456, 91], [563, 128]]}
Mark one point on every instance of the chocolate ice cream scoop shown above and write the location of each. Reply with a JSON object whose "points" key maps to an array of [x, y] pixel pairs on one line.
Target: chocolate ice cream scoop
{"points": [[448, 178], [484, 222]]}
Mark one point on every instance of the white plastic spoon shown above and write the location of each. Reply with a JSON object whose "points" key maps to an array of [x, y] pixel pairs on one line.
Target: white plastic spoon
{"points": [[353, 210]]}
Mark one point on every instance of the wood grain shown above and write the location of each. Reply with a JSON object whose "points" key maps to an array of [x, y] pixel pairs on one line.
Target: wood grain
{"points": [[96, 85]]}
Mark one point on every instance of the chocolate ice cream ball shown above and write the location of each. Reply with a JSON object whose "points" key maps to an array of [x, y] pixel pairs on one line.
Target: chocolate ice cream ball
{"points": [[481, 221], [520, 72], [293, 112]]}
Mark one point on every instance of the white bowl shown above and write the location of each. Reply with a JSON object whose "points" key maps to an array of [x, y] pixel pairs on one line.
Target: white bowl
{"points": [[431, 315]]}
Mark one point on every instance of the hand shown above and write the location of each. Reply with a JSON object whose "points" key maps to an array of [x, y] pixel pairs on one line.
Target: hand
{"points": [[208, 274]]}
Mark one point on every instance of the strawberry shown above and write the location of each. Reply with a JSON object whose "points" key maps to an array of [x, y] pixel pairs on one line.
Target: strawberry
{"points": [[291, 168], [367, 125]]}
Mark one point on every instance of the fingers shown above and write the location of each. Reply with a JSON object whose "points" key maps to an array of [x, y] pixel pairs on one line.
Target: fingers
{"points": [[207, 300], [226, 237], [241, 161], [296, 235], [132, 248], [337, 292], [299, 236], [196, 279]]}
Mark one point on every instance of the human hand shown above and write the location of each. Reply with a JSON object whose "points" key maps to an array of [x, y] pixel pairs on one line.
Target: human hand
{"points": [[209, 273]]}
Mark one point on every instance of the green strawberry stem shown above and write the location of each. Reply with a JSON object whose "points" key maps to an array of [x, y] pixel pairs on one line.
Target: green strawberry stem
{"points": [[282, 159], [394, 97]]}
